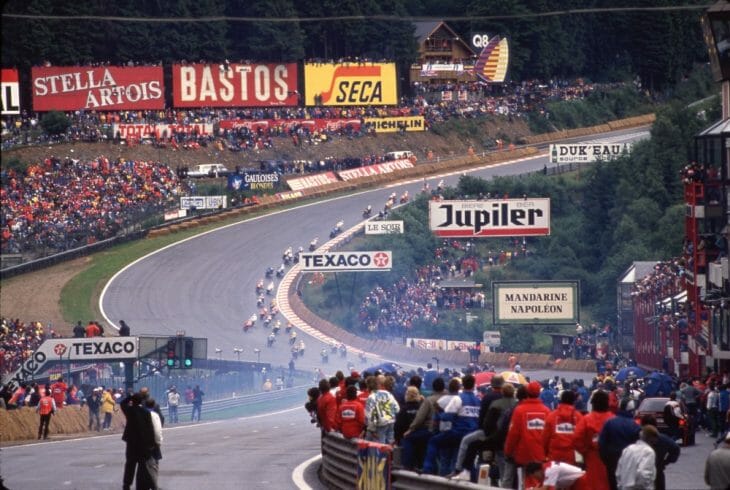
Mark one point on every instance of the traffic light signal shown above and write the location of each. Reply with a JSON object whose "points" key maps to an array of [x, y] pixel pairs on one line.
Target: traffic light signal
{"points": [[172, 359], [188, 354]]}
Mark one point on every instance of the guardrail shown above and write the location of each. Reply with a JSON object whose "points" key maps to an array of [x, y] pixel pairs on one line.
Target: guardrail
{"points": [[237, 401], [356, 463]]}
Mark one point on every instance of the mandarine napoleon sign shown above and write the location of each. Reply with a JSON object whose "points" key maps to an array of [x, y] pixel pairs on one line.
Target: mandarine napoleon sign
{"points": [[342, 84]]}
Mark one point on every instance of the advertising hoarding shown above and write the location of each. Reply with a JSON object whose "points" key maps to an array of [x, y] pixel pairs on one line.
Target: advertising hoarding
{"points": [[376, 169], [10, 92], [311, 181], [203, 202], [493, 217], [104, 88], [160, 130], [235, 85], [383, 227], [535, 302], [587, 152], [313, 125], [341, 84], [381, 260], [395, 124]]}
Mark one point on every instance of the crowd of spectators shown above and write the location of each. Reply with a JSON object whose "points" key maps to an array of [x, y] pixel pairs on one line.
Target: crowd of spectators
{"points": [[18, 341], [449, 422], [60, 204], [512, 99]]}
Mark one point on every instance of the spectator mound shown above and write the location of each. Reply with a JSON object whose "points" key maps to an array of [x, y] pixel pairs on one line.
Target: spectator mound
{"points": [[444, 144]]}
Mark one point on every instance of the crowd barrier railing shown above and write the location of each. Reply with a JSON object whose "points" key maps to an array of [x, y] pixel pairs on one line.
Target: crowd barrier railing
{"points": [[356, 463]]}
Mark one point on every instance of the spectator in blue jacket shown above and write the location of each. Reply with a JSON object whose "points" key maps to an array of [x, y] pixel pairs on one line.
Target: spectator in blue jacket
{"points": [[617, 434], [463, 413]]}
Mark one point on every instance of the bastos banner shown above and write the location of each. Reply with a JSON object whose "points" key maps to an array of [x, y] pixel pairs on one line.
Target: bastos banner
{"points": [[106, 88], [11, 92], [342, 84], [235, 85]]}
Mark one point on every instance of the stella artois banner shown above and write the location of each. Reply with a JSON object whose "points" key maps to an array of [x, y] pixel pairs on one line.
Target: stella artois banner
{"points": [[106, 88]]}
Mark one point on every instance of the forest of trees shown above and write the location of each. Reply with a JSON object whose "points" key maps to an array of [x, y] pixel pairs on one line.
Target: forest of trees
{"points": [[657, 46]]}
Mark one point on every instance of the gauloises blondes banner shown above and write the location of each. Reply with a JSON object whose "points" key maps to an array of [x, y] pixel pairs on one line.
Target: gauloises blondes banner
{"points": [[358, 84], [108, 88], [235, 85]]}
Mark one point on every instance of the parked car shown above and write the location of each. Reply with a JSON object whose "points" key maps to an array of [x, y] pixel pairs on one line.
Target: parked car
{"points": [[208, 170], [655, 406]]}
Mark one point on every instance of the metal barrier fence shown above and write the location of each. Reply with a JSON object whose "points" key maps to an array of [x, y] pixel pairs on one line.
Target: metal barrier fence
{"points": [[345, 466]]}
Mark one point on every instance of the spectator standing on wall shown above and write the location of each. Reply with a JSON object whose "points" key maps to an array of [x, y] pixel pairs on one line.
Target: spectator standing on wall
{"points": [[124, 330]]}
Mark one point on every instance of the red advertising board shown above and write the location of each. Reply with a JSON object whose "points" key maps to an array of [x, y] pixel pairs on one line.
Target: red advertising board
{"points": [[235, 85], [10, 92], [311, 181], [161, 130], [377, 169], [287, 124], [107, 88]]}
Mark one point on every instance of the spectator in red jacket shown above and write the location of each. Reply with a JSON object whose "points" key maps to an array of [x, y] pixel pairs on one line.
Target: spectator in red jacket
{"points": [[525, 436], [586, 443], [58, 392], [326, 407], [560, 429], [351, 415]]}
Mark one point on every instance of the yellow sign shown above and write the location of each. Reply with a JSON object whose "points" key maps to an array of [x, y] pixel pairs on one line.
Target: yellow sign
{"points": [[343, 84], [394, 124]]}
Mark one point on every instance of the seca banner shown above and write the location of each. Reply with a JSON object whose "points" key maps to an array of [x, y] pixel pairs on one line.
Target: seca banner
{"points": [[395, 124], [311, 181], [110, 88], [11, 92], [526, 302], [377, 169], [503, 217], [588, 152], [291, 124], [235, 85], [335, 84], [160, 131], [346, 261]]}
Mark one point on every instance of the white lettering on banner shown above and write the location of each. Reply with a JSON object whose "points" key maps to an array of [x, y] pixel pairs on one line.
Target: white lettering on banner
{"points": [[234, 84], [377, 169], [440, 344], [588, 152], [10, 92], [383, 227], [158, 131], [479, 40], [347, 261], [311, 181], [505, 217], [203, 202]]}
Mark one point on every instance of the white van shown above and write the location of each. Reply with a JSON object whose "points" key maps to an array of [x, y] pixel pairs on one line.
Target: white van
{"points": [[492, 338], [398, 155], [208, 170]]}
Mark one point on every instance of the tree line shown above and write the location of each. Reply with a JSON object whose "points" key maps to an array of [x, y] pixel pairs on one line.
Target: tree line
{"points": [[658, 47]]}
